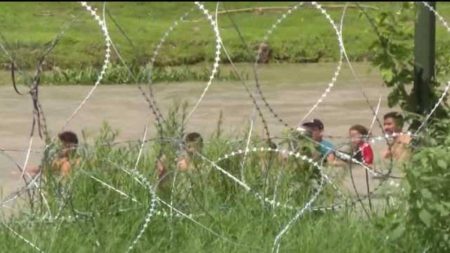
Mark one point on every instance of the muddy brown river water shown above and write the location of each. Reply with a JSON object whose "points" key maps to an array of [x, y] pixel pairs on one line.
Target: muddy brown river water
{"points": [[290, 89]]}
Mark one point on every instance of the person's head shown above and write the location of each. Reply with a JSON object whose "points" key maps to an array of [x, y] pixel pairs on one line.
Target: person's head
{"points": [[193, 142], [69, 141], [315, 127], [357, 134], [393, 122]]}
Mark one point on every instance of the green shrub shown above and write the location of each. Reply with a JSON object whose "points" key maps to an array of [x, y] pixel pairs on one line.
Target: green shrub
{"points": [[423, 210], [429, 196]]}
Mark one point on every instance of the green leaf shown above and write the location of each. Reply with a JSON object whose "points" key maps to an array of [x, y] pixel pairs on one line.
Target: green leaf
{"points": [[442, 164], [426, 194], [387, 75], [393, 97], [442, 210], [425, 217], [398, 232]]}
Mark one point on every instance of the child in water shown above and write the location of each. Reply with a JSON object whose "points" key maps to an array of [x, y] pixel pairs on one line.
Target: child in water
{"points": [[361, 149]]}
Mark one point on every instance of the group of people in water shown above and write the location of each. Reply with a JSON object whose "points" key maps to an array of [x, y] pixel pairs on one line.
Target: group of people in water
{"points": [[359, 136], [361, 150]]}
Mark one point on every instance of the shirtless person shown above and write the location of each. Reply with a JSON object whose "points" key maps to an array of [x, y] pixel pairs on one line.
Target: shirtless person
{"points": [[393, 125], [63, 162], [193, 142]]}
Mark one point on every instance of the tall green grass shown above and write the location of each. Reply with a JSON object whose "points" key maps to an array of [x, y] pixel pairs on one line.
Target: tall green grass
{"points": [[117, 74], [224, 217]]}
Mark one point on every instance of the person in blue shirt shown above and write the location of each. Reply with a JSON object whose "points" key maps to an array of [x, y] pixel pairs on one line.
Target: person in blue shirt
{"points": [[325, 147]]}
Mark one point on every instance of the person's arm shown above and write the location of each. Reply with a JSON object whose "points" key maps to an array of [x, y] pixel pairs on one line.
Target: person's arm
{"points": [[160, 167], [32, 170], [183, 164], [65, 167], [387, 153], [403, 152], [331, 158]]}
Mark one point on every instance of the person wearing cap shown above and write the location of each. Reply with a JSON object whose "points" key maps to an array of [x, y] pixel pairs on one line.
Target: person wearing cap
{"points": [[315, 127]]}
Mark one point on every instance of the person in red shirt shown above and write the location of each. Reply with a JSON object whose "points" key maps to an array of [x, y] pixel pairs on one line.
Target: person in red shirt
{"points": [[361, 149]]}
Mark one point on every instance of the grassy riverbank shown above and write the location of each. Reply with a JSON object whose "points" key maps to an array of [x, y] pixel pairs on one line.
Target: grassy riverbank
{"points": [[304, 36]]}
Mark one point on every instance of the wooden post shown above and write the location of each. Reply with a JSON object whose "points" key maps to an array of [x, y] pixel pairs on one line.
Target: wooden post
{"points": [[424, 57]]}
